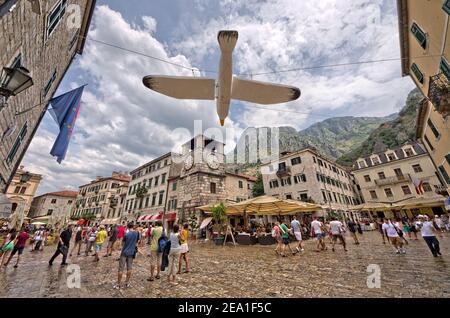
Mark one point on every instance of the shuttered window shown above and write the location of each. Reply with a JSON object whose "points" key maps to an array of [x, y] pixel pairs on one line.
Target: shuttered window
{"points": [[417, 73], [446, 6], [420, 35], [445, 67], [19, 140]]}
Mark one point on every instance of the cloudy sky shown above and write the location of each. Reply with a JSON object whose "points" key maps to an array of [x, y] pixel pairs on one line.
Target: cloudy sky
{"points": [[122, 124]]}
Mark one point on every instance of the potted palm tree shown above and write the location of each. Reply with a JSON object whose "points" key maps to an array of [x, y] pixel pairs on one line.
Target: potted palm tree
{"points": [[219, 217]]}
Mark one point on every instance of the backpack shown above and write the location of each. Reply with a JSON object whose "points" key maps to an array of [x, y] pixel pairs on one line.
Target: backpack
{"points": [[162, 241]]}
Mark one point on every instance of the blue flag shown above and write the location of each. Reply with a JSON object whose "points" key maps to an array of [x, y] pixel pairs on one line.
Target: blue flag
{"points": [[64, 110]]}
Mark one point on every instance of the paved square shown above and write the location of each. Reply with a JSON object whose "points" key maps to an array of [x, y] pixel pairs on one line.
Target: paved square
{"points": [[248, 271]]}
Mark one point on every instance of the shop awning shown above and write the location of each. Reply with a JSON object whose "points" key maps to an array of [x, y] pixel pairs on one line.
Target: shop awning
{"points": [[42, 220], [171, 216], [110, 221]]}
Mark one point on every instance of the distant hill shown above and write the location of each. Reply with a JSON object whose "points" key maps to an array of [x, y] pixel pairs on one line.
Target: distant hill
{"points": [[342, 138], [390, 134]]}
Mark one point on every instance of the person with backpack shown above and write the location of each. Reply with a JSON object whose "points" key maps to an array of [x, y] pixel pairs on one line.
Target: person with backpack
{"points": [[155, 251], [285, 238], [391, 232]]}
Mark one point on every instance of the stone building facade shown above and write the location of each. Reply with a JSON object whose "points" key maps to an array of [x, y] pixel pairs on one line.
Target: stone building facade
{"points": [[388, 177], [185, 181], [425, 50], [55, 206], [102, 199], [147, 191], [21, 192], [307, 175], [39, 36]]}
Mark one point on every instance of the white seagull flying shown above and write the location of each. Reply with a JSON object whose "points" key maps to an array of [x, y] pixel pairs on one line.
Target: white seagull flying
{"points": [[228, 86]]}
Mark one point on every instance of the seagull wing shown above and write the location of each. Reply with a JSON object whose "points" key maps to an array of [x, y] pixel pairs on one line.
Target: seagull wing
{"points": [[263, 93], [182, 87]]}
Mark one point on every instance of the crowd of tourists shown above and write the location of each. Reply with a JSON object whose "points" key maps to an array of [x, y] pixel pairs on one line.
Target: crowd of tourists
{"points": [[169, 250], [332, 231], [166, 250]]}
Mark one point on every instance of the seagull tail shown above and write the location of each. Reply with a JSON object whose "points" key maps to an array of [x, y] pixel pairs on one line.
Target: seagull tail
{"points": [[227, 40]]}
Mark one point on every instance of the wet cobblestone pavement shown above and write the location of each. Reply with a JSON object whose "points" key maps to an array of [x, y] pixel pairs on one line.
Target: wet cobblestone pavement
{"points": [[248, 271]]}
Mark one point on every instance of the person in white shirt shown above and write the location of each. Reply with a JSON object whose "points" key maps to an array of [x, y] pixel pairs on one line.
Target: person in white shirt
{"points": [[297, 229], [429, 235], [439, 224], [391, 232], [337, 230], [317, 231]]}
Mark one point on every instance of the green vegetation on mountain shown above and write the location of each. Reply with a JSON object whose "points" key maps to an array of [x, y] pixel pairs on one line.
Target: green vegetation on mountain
{"points": [[391, 134], [341, 138]]}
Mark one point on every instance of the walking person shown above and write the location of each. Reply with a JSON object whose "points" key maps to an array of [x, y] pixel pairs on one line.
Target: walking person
{"points": [[113, 236], [285, 238], [78, 241], [428, 232], [399, 225], [391, 232], [413, 229], [317, 231], [297, 229], [37, 239], [184, 249], [155, 253], [440, 226], [99, 240], [63, 246], [276, 234], [127, 255], [337, 231], [7, 247], [91, 236], [19, 246], [352, 228], [174, 254], [380, 229]]}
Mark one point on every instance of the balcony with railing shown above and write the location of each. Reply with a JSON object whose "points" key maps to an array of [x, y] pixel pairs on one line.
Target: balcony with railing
{"points": [[393, 180], [439, 93], [284, 172]]}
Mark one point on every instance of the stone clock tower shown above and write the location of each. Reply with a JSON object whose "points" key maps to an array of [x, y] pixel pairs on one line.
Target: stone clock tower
{"points": [[202, 177]]}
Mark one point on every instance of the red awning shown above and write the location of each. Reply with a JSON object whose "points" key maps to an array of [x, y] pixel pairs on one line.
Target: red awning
{"points": [[155, 217]]}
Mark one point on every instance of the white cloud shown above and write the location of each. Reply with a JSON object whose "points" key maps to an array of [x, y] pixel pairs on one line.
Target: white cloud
{"points": [[123, 124]]}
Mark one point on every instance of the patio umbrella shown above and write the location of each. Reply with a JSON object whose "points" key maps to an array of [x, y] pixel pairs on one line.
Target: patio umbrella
{"points": [[268, 205], [370, 206]]}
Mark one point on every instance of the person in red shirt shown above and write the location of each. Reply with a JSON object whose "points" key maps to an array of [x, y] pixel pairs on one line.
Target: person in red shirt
{"points": [[19, 246], [121, 232]]}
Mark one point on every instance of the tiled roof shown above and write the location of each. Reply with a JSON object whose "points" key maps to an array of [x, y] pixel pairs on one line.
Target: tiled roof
{"points": [[65, 193], [250, 178], [418, 148]]}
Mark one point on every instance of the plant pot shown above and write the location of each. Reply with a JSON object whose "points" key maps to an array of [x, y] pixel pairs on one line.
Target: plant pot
{"points": [[219, 240]]}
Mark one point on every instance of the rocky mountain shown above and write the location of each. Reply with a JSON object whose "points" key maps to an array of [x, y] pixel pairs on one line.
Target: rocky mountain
{"points": [[341, 138], [390, 134]]}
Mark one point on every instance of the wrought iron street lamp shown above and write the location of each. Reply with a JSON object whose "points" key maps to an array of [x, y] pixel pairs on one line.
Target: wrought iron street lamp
{"points": [[15, 80]]}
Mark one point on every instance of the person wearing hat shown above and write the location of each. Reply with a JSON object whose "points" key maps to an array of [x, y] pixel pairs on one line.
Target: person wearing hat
{"points": [[99, 240]]}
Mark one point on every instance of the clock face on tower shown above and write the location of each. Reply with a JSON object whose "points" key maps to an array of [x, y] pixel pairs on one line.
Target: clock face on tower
{"points": [[188, 162], [213, 161]]}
